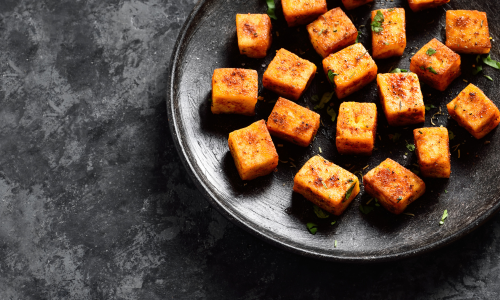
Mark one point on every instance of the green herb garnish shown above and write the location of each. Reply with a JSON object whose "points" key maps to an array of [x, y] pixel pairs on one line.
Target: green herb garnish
{"points": [[431, 69], [398, 70], [361, 55], [320, 32], [315, 98], [332, 113], [365, 209], [488, 77], [333, 223], [400, 198], [445, 215], [491, 62], [477, 69], [410, 147], [335, 244], [429, 106], [378, 19], [313, 228], [349, 192], [420, 132], [320, 213], [324, 100], [391, 9], [331, 77], [270, 9], [451, 134], [430, 52], [357, 37]]}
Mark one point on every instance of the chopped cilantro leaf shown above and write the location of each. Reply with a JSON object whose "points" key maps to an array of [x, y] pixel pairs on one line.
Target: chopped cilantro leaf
{"points": [[378, 19], [331, 77], [332, 113], [333, 223], [320, 213], [312, 227], [445, 215], [430, 52], [488, 77], [324, 100], [477, 69], [357, 37], [429, 106], [349, 192], [431, 69], [271, 6], [410, 147], [491, 62]]}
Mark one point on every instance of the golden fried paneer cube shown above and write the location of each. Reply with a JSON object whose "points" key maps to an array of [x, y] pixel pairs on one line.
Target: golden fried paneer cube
{"points": [[293, 122], [474, 111], [356, 128], [254, 34], [432, 146], [418, 5], [351, 68], [327, 185], [332, 32], [288, 75], [299, 12], [467, 31], [401, 98], [352, 4], [234, 91], [436, 65], [393, 185], [253, 151], [391, 39]]}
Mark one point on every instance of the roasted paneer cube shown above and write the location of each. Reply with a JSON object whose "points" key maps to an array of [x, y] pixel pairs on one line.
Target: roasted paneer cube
{"points": [[432, 146], [293, 122], [332, 32], [401, 98], [234, 91], [388, 39], [351, 69], [288, 75], [299, 12], [436, 65], [467, 31], [253, 151], [393, 185], [327, 185], [254, 34], [474, 111], [352, 4], [356, 128], [418, 5]]}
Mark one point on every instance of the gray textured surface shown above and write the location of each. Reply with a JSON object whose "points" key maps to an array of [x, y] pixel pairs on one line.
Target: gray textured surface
{"points": [[95, 203]]}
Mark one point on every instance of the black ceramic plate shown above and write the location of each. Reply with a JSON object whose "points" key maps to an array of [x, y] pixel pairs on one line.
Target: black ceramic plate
{"points": [[267, 207]]}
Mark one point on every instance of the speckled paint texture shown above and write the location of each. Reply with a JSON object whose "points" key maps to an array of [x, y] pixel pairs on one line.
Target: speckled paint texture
{"points": [[95, 204]]}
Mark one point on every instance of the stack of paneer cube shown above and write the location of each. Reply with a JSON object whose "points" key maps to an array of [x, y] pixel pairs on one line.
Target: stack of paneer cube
{"points": [[349, 67]]}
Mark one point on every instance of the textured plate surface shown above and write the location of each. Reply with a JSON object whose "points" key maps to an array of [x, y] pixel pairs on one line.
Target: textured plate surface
{"points": [[267, 207]]}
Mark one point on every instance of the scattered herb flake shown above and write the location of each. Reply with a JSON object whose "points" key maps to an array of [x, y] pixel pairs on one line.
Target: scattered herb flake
{"points": [[312, 227], [357, 37], [333, 223], [431, 69], [324, 184], [477, 69], [491, 62], [321, 31], [445, 215], [410, 147], [361, 55], [446, 191], [430, 52], [320, 151], [365, 209], [400, 198], [451, 134], [398, 70], [330, 111], [429, 106], [320, 213], [349, 192], [420, 132], [324, 100], [488, 77], [378, 19], [331, 77], [271, 6], [335, 244], [391, 9]]}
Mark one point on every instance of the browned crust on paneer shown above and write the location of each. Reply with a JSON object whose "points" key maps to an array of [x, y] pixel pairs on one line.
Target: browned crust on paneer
{"points": [[234, 91], [418, 5], [393, 185], [391, 41], [474, 111], [356, 128], [326, 184], [293, 122], [288, 75], [253, 151], [254, 34], [355, 68], [445, 63], [332, 32], [467, 31], [432, 146], [300, 12], [352, 4], [401, 98]]}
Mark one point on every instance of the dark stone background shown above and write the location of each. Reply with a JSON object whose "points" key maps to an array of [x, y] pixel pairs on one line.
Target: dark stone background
{"points": [[95, 204]]}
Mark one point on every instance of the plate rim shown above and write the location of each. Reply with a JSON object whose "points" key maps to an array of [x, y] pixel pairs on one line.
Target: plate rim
{"points": [[212, 199]]}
